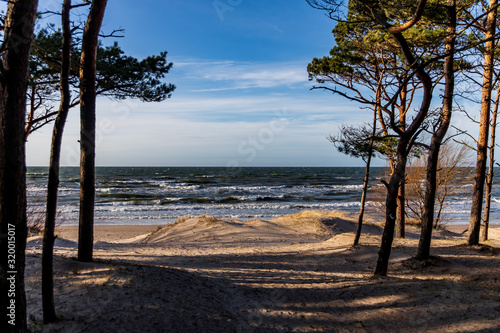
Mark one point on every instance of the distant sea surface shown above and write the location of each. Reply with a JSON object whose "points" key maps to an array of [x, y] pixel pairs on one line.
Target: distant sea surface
{"points": [[159, 195]]}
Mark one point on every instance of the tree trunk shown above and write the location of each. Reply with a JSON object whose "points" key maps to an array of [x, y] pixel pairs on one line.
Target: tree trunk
{"points": [[484, 123], [405, 140], [491, 169], [87, 133], [18, 32], [400, 214], [424, 244], [390, 214], [365, 182], [49, 313], [438, 215]]}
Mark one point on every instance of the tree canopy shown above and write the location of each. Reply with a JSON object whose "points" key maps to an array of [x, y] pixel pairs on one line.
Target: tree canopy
{"points": [[119, 76]]}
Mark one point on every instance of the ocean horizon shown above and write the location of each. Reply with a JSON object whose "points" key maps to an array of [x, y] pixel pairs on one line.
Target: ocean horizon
{"points": [[160, 195]]}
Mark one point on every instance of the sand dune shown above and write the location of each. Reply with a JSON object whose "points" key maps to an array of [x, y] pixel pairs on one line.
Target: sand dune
{"points": [[303, 227], [296, 273]]}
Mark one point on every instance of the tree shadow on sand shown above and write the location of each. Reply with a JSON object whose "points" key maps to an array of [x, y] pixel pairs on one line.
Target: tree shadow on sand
{"points": [[274, 292]]}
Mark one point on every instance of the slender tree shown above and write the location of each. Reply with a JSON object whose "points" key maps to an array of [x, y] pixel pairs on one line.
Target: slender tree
{"points": [[88, 64], [491, 169], [359, 143], [14, 66], [118, 76], [482, 142], [439, 134], [49, 313]]}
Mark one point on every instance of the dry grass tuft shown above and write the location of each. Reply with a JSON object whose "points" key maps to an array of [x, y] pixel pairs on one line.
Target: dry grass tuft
{"points": [[208, 219], [314, 218], [161, 228], [180, 220], [35, 210], [158, 229], [318, 214], [413, 222], [253, 222]]}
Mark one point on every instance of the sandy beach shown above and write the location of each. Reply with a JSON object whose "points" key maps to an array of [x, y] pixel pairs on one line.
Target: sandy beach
{"points": [[296, 273]]}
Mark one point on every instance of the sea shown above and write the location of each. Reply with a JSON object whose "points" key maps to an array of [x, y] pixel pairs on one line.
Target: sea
{"points": [[160, 195]]}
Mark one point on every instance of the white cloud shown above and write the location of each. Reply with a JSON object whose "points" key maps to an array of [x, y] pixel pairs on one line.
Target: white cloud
{"points": [[232, 75], [309, 106]]}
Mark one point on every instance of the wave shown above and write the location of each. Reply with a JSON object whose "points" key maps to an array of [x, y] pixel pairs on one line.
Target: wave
{"points": [[273, 198], [37, 174], [202, 181], [177, 186], [153, 194], [164, 178], [229, 200]]}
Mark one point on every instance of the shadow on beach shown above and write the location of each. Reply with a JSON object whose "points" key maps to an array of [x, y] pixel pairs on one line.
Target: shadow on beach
{"points": [[218, 276]]}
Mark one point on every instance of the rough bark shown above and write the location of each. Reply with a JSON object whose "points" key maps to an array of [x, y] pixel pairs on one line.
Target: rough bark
{"points": [[18, 32], [391, 209], [484, 123], [491, 171], [49, 313], [400, 214], [438, 136], [87, 132]]}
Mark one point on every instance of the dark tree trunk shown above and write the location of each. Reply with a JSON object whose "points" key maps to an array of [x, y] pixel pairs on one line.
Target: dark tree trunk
{"points": [[18, 33], [49, 313], [491, 170], [438, 136], [484, 124], [87, 133], [400, 217], [391, 207], [429, 199]]}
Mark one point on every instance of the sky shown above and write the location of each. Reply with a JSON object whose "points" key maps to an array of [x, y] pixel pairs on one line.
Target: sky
{"points": [[243, 97]]}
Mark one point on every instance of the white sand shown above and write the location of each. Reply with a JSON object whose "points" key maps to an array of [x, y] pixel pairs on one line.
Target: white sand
{"points": [[291, 274]]}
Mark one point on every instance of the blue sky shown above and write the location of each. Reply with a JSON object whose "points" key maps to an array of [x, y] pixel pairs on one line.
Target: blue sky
{"points": [[242, 97]]}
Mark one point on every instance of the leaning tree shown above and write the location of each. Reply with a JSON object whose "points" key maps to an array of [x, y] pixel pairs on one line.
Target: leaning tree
{"points": [[397, 25], [367, 66]]}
